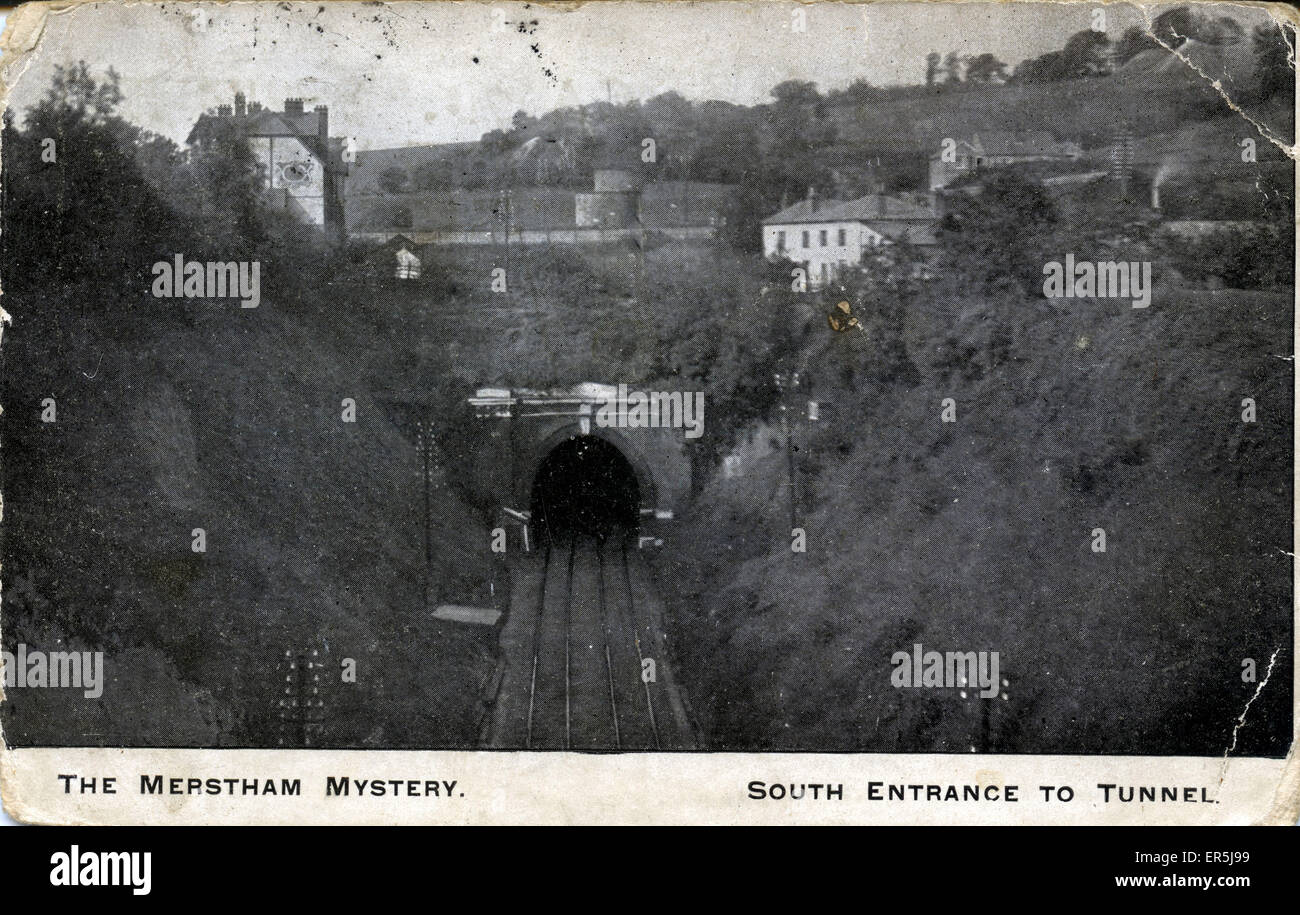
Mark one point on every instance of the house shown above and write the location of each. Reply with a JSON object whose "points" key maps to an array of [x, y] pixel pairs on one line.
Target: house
{"points": [[827, 236], [301, 167], [398, 258], [961, 157]]}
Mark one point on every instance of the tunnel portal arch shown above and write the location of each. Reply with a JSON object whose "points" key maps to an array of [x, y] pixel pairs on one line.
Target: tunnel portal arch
{"points": [[586, 484], [522, 427], [536, 456]]}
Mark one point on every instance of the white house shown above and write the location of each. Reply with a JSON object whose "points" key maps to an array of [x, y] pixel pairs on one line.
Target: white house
{"points": [[302, 168], [408, 265], [827, 236]]}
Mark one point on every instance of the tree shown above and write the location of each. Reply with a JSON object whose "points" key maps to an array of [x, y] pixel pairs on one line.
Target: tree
{"points": [[800, 135], [64, 220], [668, 110], [1133, 42], [952, 67], [228, 203], [985, 68], [933, 61], [859, 92], [498, 142], [1086, 54], [993, 239], [796, 92], [1045, 68], [435, 175]]}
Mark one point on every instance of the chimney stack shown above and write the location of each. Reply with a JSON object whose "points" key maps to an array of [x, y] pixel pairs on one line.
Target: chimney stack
{"points": [[240, 106], [223, 111], [814, 204], [293, 106], [323, 124]]}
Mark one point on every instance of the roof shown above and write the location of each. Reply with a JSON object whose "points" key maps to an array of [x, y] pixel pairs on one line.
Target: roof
{"points": [[1027, 143], [870, 208], [923, 235], [263, 122], [804, 211]]}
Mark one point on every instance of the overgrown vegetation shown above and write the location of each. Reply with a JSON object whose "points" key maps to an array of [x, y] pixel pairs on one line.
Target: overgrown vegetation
{"points": [[969, 535]]}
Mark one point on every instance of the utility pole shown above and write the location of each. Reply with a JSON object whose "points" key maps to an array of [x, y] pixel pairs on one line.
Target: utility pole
{"points": [[789, 442], [424, 447], [1121, 160], [505, 207], [302, 715]]}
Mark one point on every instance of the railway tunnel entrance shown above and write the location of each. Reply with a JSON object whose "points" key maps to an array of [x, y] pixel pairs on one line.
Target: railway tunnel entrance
{"points": [[585, 662], [563, 453], [585, 486]]}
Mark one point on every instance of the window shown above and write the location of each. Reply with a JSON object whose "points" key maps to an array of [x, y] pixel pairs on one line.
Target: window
{"points": [[822, 238], [805, 238], [844, 237], [780, 241]]}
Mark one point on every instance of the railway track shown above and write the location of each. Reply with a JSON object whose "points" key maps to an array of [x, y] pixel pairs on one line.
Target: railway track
{"points": [[586, 665]]}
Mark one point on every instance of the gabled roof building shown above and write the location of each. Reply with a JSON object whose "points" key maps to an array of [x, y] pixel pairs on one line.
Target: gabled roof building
{"points": [[302, 168], [997, 148], [828, 236]]}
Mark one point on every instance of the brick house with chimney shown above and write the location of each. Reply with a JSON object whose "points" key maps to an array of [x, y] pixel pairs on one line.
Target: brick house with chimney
{"points": [[301, 167]]}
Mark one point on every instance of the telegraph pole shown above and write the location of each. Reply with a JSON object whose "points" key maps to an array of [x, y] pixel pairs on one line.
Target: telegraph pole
{"points": [[789, 443], [424, 447], [1121, 160]]}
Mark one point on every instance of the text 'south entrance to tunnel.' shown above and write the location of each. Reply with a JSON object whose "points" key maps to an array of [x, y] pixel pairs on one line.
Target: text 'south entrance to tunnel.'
{"points": [[585, 485]]}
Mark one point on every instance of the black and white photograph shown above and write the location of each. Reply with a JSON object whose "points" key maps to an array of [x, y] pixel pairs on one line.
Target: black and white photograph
{"points": [[658, 382]]}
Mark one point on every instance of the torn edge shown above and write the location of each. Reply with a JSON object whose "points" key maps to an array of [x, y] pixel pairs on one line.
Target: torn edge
{"points": [[25, 26], [1282, 24]]}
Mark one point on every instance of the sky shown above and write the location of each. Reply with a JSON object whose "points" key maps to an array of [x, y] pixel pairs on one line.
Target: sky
{"points": [[410, 73]]}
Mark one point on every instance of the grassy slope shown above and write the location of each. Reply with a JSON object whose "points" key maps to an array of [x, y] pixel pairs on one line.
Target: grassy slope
{"points": [[232, 424], [976, 536]]}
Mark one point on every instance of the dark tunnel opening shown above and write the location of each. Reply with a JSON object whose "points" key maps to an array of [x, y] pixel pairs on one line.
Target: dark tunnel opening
{"points": [[585, 486]]}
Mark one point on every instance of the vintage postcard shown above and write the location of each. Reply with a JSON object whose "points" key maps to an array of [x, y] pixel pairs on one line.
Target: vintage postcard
{"points": [[648, 412]]}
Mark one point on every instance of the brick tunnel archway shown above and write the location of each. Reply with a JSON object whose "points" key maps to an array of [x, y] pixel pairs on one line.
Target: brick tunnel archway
{"points": [[596, 464]]}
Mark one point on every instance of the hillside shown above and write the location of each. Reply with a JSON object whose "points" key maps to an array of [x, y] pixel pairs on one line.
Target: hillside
{"points": [[194, 417], [976, 536]]}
